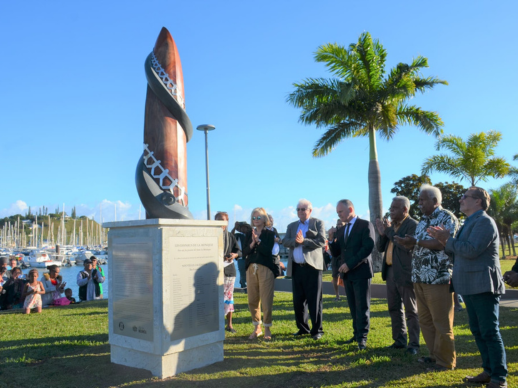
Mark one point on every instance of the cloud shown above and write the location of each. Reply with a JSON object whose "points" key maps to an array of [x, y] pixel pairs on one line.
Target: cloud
{"points": [[18, 207]]}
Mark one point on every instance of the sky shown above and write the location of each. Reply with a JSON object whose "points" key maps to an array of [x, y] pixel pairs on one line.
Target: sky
{"points": [[73, 89]]}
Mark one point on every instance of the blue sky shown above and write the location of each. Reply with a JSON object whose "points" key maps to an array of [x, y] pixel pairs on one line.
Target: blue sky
{"points": [[73, 89]]}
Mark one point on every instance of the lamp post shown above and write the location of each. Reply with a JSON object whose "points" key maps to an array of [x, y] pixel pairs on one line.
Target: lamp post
{"points": [[206, 128]]}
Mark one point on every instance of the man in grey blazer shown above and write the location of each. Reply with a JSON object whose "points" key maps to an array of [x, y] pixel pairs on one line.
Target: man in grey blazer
{"points": [[306, 238], [478, 278], [397, 272]]}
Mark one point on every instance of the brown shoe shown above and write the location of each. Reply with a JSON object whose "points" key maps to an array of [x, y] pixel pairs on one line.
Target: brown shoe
{"points": [[497, 384], [482, 378]]}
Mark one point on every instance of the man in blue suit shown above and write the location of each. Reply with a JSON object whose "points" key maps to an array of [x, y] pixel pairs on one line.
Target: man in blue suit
{"points": [[478, 278]]}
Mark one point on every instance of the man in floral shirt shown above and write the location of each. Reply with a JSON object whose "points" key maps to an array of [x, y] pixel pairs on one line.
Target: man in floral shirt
{"points": [[431, 275]]}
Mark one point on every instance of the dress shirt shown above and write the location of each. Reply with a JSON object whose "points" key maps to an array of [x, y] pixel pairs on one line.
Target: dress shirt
{"points": [[298, 254], [430, 266], [350, 227], [390, 248]]}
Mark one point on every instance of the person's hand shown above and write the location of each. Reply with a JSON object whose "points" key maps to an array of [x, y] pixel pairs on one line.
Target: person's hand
{"points": [[62, 285], [331, 234], [408, 242], [511, 278], [439, 233], [299, 239], [382, 225], [278, 240], [343, 268]]}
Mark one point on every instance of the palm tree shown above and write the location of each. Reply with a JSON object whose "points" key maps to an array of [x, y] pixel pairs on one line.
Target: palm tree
{"points": [[504, 210], [473, 160], [363, 100]]}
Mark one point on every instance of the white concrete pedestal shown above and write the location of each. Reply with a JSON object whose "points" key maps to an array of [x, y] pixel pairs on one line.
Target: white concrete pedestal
{"points": [[166, 294]]}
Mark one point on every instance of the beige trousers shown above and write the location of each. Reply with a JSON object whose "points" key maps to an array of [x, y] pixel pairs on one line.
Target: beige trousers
{"points": [[260, 283], [435, 311]]}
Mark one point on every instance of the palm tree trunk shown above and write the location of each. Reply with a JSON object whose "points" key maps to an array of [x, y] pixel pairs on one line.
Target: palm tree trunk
{"points": [[375, 200], [508, 243], [502, 241], [511, 242]]}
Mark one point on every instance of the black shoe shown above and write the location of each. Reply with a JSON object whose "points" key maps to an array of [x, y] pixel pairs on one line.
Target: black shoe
{"points": [[300, 333], [396, 346], [231, 330], [362, 345], [350, 341], [318, 336], [412, 351]]}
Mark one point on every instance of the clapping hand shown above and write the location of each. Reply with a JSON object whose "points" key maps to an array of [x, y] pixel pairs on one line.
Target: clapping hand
{"points": [[408, 242], [331, 234], [439, 233], [382, 225], [255, 238], [299, 239], [511, 278]]}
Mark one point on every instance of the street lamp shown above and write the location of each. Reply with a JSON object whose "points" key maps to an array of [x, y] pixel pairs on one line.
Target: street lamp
{"points": [[206, 128]]}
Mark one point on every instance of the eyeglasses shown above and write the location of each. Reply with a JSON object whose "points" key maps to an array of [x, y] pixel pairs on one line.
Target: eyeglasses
{"points": [[467, 196], [302, 209], [256, 218]]}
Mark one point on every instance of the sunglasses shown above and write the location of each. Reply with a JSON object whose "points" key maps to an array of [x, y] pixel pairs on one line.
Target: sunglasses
{"points": [[302, 209], [256, 218], [467, 196]]}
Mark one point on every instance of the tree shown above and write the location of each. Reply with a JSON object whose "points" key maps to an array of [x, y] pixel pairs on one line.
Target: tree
{"points": [[504, 210], [451, 193], [364, 101], [73, 214], [473, 160], [410, 186]]}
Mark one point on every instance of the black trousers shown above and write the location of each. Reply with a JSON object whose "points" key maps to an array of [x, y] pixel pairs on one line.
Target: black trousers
{"points": [[358, 294], [241, 266], [307, 295]]}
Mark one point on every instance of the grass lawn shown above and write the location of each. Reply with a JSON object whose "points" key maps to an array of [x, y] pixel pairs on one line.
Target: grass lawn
{"points": [[68, 347], [507, 249], [505, 266]]}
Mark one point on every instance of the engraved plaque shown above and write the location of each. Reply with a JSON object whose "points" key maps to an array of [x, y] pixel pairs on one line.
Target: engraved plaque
{"points": [[132, 290], [194, 291]]}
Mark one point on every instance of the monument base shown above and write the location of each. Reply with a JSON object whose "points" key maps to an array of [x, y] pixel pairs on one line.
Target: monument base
{"points": [[165, 305], [170, 364]]}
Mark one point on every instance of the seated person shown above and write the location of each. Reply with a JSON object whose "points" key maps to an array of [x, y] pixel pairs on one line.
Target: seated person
{"points": [[54, 285], [88, 281], [68, 295], [13, 289]]}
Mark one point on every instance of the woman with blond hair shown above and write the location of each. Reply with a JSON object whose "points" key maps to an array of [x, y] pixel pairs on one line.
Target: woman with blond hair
{"points": [[260, 269]]}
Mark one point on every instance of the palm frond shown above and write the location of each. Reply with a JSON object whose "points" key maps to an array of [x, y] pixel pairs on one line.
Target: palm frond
{"points": [[497, 167], [426, 121], [372, 61], [454, 144], [313, 91], [443, 163], [336, 58], [333, 136], [422, 84]]}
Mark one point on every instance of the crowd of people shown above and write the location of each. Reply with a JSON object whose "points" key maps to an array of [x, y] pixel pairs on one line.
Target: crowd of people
{"points": [[425, 263], [19, 291]]}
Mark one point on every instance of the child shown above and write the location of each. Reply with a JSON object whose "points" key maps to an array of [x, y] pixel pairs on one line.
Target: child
{"points": [[68, 295], [32, 293]]}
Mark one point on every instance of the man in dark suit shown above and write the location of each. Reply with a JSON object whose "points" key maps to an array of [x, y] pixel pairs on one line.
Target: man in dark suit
{"points": [[478, 278], [306, 238], [354, 242], [397, 272]]}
